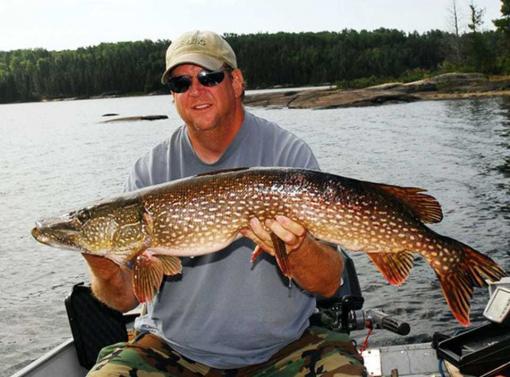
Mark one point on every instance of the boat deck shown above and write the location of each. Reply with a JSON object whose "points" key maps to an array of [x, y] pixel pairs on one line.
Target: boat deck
{"points": [[413, 360]]}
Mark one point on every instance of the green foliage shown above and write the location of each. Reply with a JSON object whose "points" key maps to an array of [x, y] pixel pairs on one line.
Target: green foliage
{"points": [[476, 18], [503, 23], [364, 82], [503, 27], [123, 67], [414, 75], [350, 58], [361, 82]]}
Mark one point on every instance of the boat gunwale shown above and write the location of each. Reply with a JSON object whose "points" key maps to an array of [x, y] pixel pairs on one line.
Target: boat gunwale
{"points": [[67, 345]]}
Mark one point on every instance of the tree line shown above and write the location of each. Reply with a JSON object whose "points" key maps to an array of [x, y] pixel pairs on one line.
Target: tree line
{"points": [[267, 60]]}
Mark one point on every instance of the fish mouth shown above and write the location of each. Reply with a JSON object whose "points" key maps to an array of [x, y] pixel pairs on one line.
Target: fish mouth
{"points": [[39, 235], [59, 232]]}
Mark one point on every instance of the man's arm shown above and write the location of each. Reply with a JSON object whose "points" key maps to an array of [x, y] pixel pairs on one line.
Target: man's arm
{"points": [[316, 267], [111, 283]]}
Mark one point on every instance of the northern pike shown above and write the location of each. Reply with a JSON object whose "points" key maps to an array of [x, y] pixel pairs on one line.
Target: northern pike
{"points": [[150, 228]]}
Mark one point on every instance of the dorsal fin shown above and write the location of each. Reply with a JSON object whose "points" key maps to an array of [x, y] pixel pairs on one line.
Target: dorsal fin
{"points": [[423, 206], [221, 171]]}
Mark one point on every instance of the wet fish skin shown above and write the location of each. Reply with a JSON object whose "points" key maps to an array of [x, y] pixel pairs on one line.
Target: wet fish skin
{"points": [[114, 229], [203, 214]]}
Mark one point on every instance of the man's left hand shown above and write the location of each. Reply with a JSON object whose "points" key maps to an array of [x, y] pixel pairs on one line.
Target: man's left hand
{"points": [[316, 267], [290, 232]]}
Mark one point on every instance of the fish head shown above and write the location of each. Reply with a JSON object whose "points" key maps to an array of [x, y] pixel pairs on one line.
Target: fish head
{"points": [[105, 228], [61, 231]]}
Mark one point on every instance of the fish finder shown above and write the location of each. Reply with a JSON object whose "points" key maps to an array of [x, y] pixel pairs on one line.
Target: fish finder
{"points": [[498, 307]]}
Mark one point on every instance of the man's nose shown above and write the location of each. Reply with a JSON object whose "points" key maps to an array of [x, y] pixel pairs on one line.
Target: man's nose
{"points": [[195, 87]]}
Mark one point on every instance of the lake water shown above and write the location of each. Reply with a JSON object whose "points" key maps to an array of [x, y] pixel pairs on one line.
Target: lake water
{"points": [[56, 156]]}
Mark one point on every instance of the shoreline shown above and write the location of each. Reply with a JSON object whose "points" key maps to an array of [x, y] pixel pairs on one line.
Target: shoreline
{"points": [[372, 99], [441, 87], [448, 86], [445, 96]]}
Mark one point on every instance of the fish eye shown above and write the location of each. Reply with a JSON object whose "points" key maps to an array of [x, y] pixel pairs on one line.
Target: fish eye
{"points": [[83, 215]]}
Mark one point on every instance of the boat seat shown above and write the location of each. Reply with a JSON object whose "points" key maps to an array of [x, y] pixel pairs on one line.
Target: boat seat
{"points": [[93, 324]]}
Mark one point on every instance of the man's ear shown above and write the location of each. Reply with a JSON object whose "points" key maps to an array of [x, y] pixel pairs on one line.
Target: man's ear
{"points": [[238, 82]]}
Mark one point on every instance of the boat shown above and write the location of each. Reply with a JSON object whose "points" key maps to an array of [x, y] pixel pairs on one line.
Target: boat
{"points": [[60, 361], [343, 312]]}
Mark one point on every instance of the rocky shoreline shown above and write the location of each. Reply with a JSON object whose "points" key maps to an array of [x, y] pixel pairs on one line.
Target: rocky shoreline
{"points": [[445, 86]]}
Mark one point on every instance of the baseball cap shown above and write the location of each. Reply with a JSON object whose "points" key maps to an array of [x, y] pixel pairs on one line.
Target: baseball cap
{"points": [[204, 48]]}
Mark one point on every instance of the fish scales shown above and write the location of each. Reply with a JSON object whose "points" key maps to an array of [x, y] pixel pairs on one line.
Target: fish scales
{"points": [[149, 228], [364, 222]]}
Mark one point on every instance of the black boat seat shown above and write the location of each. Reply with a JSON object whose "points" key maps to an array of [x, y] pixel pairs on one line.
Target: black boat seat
{"points": [[93, 324]]}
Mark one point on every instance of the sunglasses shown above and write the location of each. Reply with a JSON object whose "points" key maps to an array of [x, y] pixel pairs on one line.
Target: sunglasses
{"points": [[180, 84]]}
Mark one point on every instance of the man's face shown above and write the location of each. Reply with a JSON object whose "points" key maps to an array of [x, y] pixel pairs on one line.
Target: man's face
{"points": [[205, 108]]}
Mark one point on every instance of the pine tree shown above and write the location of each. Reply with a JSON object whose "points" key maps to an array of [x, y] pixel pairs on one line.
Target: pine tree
{"points": [[503, 23]]}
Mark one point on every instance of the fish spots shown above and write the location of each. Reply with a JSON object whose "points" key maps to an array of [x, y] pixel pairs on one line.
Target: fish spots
{"points": [[211, 210]]}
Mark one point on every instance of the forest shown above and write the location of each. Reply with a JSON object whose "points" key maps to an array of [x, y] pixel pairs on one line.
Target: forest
{"points": [[346, 58]]}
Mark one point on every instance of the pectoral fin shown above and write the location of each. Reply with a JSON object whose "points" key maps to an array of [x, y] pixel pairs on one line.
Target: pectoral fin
{"points": [[256, 253], [171, 265], [281, 255], [395, 267], [147, 276], [148, 271]]}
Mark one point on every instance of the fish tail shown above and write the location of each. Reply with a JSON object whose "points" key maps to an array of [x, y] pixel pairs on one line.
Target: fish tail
{"points": [[460, 268]]}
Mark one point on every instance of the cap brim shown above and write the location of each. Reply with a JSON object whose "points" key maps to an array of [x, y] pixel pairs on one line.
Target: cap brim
{"points": [[202, 60]]}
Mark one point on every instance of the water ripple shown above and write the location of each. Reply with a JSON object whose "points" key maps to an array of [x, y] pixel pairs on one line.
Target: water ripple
{"points": [[458, 150]]}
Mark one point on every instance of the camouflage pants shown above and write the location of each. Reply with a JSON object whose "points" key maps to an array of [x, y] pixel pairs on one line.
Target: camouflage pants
{"points": [[318, 352]]}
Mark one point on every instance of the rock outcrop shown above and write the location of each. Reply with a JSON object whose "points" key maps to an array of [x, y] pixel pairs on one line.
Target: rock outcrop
{"points": [[448, 85], [135, 118]]}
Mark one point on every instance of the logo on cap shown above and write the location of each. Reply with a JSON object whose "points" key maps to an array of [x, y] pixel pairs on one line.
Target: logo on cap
{"points": [[195, 40]]}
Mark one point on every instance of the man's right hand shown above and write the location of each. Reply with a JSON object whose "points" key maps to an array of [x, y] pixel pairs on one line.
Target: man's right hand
{"points": [[101, 267], [111, 283]]}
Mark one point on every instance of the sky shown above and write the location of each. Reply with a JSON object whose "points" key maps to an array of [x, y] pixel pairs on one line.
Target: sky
{"points": [[69, 24]]}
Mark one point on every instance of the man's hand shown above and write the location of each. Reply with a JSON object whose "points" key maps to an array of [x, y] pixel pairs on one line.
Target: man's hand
{"points": [[111, 283], [290, 232], [101, 267], [316, 267]]}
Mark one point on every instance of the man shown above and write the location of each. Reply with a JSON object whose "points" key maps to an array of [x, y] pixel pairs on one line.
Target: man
{"points": [[224, 316]]}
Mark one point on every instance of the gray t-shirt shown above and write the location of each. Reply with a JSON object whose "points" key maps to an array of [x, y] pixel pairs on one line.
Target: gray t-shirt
{"points": [[224, 312]]}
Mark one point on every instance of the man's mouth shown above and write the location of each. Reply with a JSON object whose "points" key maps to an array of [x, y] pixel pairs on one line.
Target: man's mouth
{"points": [[201, 106]]}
